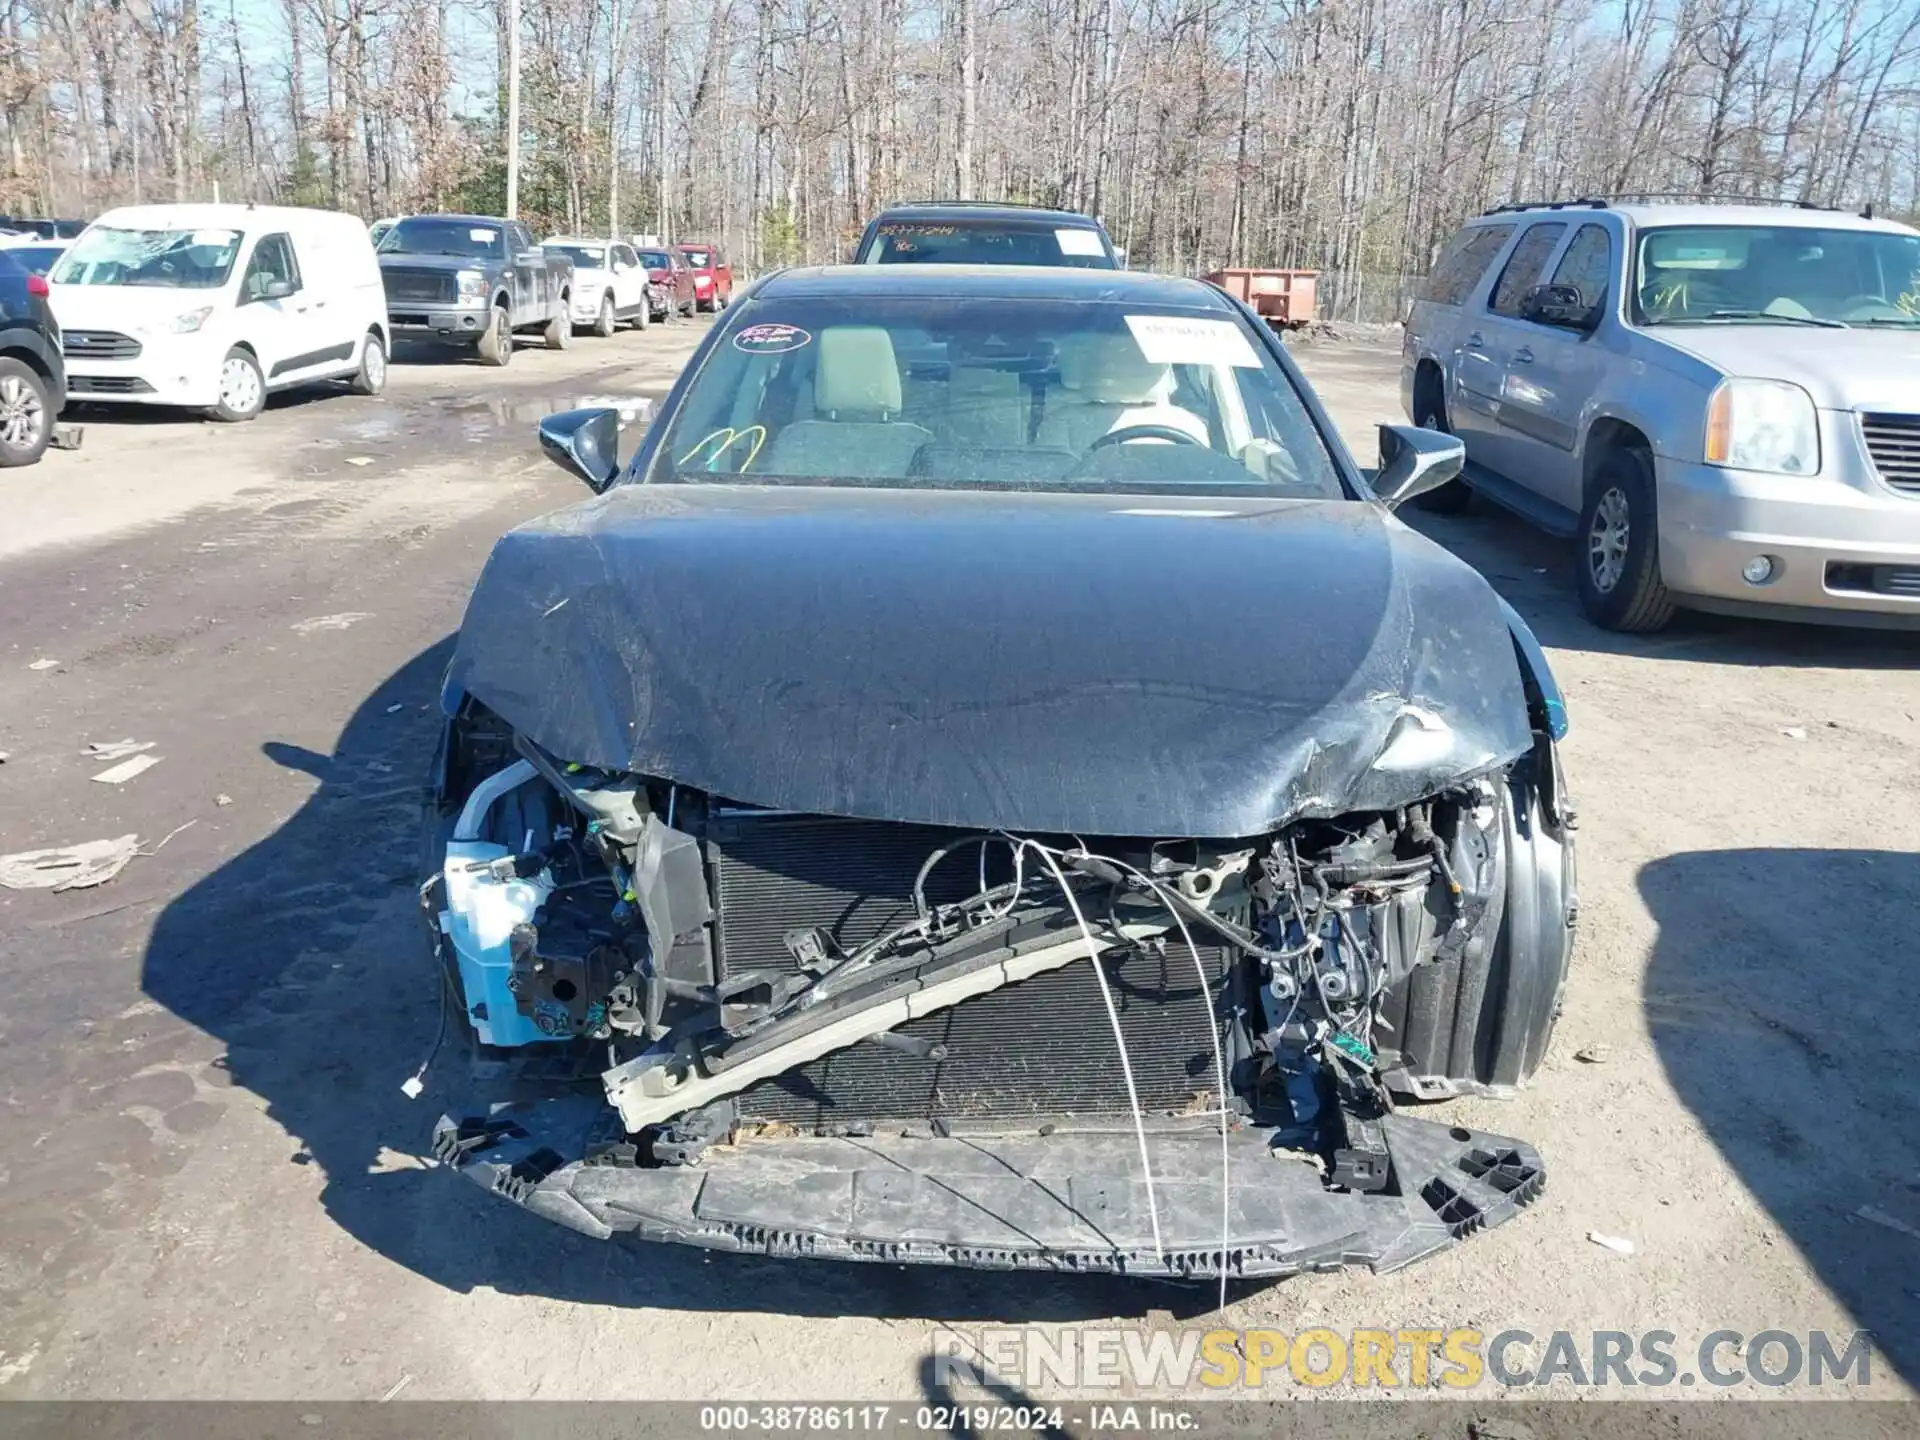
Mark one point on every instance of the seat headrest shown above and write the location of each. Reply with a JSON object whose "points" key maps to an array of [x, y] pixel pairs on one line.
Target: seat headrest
{"points": [[854, 375], [1110, 368]]}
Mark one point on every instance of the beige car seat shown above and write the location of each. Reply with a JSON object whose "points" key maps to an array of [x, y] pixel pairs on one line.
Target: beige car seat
{"points": [[1106, 384], [856, 431]]}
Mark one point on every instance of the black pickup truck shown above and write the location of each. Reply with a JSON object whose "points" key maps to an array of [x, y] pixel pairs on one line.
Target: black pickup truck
{"points": [[474, 280]]}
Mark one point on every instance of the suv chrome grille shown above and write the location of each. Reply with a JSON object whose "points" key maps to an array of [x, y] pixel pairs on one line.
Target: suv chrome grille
{"points": [[99, 345], [1894, 443]]}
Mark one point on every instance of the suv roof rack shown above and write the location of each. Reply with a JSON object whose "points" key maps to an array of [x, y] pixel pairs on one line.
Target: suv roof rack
{"points": [[1660, 197]]}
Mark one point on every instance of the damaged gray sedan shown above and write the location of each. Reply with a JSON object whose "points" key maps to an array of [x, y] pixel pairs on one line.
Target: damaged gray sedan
{"points": [[990, 783]]}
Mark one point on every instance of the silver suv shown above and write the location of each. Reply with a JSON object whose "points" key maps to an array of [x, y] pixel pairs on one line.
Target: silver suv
{"points": [[1721, 403]]}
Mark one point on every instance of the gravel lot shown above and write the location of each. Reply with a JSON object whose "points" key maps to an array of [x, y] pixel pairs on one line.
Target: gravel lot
{"points": [[209, 1179]]}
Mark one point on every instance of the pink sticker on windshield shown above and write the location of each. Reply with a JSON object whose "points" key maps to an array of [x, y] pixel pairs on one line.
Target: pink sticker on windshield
{"points": [[771, 339]]}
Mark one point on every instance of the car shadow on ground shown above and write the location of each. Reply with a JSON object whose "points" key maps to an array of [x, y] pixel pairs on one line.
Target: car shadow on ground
{"points": [[1535, 572], [1782, 1003], [307, 956]]}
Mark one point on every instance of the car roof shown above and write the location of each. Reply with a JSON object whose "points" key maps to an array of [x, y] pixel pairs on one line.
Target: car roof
{"points": [[581, 240], [1647, 216], [198, 216], [1032, 282], [459, 218], [963, 210]]}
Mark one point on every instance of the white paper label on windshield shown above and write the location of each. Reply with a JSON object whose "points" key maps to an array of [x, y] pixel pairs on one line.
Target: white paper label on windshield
{"points": [[1176, 340], [213, 237], [1079, 242], [483, 237]]}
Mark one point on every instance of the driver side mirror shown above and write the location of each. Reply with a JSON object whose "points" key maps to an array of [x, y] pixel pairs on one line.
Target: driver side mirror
{"points": [[1414, 461], [586, 442], [1559, 305], [276, 290]]}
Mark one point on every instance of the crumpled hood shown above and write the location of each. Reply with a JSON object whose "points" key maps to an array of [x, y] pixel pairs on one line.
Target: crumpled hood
{"points": [[1855, 369], [1106, 664]]}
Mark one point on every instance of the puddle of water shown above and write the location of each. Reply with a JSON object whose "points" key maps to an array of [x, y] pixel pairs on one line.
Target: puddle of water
{"points": [[480, 417]]}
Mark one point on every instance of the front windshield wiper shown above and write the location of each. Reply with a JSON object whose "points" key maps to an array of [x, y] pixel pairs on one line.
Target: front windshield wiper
{"points": [[1889, 320], [1769, 315]]}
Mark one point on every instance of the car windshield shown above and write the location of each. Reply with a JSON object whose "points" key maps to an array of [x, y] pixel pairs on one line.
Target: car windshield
{"points": [[1776, 274], [1002, 394], [584, 257], [698, 259], [175, 259], [437, 235], [985, 242]]}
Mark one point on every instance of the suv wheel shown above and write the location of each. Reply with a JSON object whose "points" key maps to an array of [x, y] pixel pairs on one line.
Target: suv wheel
{"points": [[1456, 496], [243, 389], [1619, 570], [25, 422], [604, 324]]}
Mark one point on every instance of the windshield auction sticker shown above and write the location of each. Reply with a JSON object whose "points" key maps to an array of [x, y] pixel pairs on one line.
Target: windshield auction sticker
{"points": [[771, 339], [1078, 242], [1178, 340]]}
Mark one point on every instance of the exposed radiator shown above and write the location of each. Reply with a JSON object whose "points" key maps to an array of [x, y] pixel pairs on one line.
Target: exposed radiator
{"points": [[1043, 1047]]}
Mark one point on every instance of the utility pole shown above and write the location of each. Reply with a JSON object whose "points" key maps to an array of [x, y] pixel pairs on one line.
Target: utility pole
{"points": [[513, 109], [613, 125]]}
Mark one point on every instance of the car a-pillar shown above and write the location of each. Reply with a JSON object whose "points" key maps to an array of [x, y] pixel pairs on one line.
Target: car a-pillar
{"points": [[1617, 568]]}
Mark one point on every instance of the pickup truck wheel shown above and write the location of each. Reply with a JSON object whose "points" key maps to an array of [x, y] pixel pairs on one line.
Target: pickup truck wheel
{"points": [[1619, 560], [496, 343], [26, 416], [604, 324], [243, 389], [1455, 497], [559, 333]]}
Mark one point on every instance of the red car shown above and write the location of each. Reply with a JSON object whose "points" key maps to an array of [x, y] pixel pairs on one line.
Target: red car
{"points": [[670, 292], [712, 276]]}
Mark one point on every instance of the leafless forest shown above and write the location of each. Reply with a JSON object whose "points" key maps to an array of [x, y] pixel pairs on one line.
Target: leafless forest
{"points": [[1341, 134]]}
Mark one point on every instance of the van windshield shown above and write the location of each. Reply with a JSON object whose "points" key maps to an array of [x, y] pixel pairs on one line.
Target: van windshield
{"points": [[1776, 274], [171, 259]]}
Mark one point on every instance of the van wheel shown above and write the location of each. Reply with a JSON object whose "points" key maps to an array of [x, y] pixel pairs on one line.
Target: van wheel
{"points": [[26, 419], [1455, 497], [243, 389], [372, 378], [604, 324], [559, 334], [1619, 562], [496, 344]]}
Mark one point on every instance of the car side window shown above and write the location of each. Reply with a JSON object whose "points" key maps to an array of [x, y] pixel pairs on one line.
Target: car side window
{"points": [[1464, 262], [622, 255], [1529, 258], [1587, 265], [272, 261]]}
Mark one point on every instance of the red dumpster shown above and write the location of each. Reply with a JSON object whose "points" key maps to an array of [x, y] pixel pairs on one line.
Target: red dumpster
{"points": [[1283, 298]]}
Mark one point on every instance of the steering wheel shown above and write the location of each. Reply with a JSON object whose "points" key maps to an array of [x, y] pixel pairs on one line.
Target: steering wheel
{"points": [[1125, 433]]}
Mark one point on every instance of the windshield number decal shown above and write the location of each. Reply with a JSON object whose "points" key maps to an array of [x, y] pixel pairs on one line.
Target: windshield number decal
{"points": [[1178, 340], [483, 237], [1079, 242], [771, 339]]}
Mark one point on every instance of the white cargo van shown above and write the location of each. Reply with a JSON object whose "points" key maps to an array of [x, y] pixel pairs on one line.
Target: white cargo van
{"points": [[212, 306]]}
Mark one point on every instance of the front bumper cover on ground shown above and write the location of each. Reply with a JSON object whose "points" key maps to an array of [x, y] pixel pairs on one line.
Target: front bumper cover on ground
{"points": [[1069, 1201]]}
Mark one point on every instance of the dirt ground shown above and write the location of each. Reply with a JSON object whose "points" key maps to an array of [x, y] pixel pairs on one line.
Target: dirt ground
{"points": [[211, 1184]]}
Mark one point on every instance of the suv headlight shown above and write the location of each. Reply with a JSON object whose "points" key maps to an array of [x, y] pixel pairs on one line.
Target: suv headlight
{"points": [[473, 285], [1765, 425], [191, 321]]}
